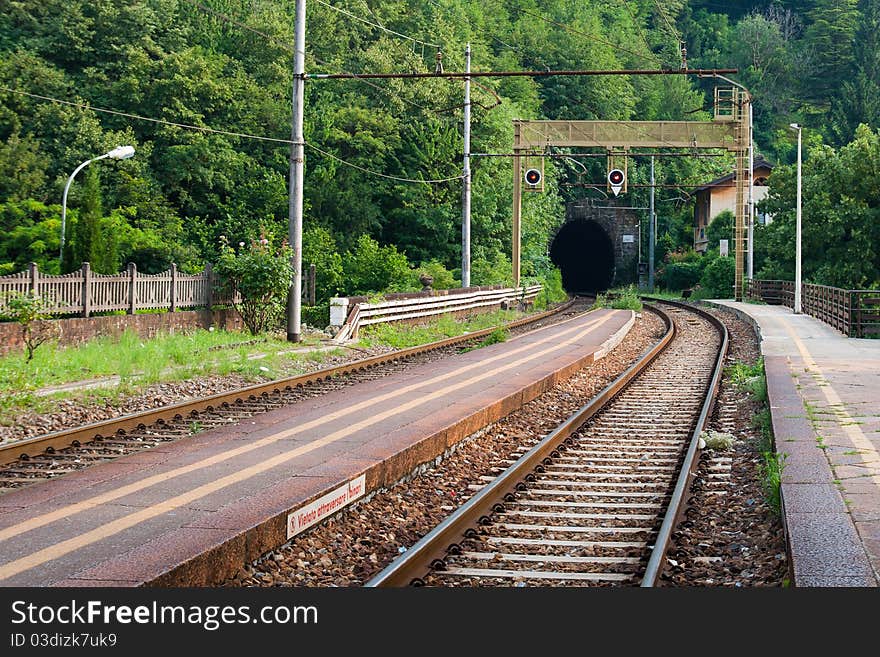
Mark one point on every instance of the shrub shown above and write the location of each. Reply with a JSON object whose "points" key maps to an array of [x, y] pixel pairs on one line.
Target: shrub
{"points": [[261, 276], [372, 268], [319, 249], [443, 278], [718, 278], [625, 299], [317, 317], [552, 289], [31, 311], [497, 271], [679, 275]]}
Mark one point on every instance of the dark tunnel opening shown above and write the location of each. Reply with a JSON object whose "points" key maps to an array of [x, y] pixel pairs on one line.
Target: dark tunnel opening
{"points": [[585, 256]]}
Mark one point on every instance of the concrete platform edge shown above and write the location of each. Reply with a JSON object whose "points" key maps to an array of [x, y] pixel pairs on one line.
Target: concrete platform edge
{"points": [[822, 543], [218, 559]]}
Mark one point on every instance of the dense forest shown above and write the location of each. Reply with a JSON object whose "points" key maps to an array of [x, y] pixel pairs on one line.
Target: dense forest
{"points": [[202, 90]]}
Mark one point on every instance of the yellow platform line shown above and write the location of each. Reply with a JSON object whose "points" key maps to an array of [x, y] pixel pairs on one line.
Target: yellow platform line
{"points": [[130, 520], [849, 427]]}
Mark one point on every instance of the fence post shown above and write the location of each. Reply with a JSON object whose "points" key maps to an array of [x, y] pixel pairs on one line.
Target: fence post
{"points": [[312, 277], [132, 288], [33, 278], [209, 283], [86, 289], [173, 287]]}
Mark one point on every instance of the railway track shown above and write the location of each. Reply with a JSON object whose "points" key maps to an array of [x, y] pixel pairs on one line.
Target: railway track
{"points": [[29, 461], [596, 500]]}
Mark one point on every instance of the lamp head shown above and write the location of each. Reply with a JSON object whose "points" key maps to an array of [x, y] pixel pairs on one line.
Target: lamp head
{"points": [[121, 152], [794, 126]]}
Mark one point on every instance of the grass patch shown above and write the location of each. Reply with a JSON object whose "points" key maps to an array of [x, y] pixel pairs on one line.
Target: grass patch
{"points": [[401, 336], [749, 377], [626, 298], [139, 362], [771, 477], [498, 335], [753, 379]]}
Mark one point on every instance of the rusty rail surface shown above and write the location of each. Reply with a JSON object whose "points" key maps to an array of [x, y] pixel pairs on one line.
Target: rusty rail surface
{"points": [[430, 550], [28, 447], [678, 503]]}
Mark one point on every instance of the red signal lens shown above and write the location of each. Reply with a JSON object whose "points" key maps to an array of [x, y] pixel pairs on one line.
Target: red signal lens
{"points": [[615, 176]]}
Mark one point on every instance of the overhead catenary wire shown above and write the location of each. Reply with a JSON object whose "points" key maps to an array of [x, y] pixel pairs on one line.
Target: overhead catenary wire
{"points": [[289, 48], [376, 25], [381, 175], [521, 74], [86, 106], [228, 19], [672, 28], [572, 30], [228, 133], [641, 29]]}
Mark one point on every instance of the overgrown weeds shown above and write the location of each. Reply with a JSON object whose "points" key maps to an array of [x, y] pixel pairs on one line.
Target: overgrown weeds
{"points": [[753, 379], [626, 298]]}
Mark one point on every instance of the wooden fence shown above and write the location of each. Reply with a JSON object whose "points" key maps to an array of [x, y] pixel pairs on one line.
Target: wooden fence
{"points": [[855, 313], [84, 292]]}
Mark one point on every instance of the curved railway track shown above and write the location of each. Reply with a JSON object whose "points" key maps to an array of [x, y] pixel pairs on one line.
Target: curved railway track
{"points": [[596, 500], [39, 458]]}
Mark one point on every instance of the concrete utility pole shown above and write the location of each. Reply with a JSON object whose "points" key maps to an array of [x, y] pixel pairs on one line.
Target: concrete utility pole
{"points": [[652, 233], [750, 271], [297, 157], [466, 179], [797, 258]]}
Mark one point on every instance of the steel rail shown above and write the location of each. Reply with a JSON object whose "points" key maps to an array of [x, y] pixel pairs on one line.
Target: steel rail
{"points": [[678, 502], [429, 552], [47, 443]]}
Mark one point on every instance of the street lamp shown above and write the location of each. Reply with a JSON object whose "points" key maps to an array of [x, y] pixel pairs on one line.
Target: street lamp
{"points": [[118, 153], [797, 257]]}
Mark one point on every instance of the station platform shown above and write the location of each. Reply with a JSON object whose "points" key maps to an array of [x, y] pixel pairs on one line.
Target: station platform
{"points": [[824, 394], [192, 512]]}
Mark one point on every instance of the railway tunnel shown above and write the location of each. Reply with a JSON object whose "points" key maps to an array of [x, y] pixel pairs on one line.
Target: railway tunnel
{"points": [[585, 255]]}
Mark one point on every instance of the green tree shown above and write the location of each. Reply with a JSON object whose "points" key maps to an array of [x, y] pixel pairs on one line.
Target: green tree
{"points": [[319, 249], [841, 218], [371, 268], [257, 278]]}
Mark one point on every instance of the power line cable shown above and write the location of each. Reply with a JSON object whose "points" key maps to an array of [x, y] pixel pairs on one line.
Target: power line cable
{"points": [[665, 18], [572, 30], [205, 8], [146, 118], [289, 48], [376, 25], [381, 175], [641, 28], [223, 132]]}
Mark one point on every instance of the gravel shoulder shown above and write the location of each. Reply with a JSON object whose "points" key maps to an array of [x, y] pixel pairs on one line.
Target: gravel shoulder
{"points": [[356, 544], [731, 536]]}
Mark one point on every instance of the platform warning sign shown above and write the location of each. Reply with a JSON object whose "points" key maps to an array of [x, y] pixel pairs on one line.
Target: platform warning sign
{"points": [[314, 512]]}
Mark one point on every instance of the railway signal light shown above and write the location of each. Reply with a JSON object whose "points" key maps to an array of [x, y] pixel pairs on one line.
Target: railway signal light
{"points": [[616, 179], [533, 177]]}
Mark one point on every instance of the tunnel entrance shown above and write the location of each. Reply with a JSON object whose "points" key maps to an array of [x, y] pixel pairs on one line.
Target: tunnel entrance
{"points": [[584, 254]]}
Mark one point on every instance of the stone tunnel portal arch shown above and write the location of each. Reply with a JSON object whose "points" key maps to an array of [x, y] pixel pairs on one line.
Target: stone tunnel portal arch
{"points": [[585, 255]]}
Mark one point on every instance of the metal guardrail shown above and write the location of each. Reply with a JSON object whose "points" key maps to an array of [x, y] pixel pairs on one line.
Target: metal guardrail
{"points": [[365, 314], [855, 313]]}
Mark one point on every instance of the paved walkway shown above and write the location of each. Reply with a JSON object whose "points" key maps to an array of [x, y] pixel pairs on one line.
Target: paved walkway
{"points": [[824, 392]]}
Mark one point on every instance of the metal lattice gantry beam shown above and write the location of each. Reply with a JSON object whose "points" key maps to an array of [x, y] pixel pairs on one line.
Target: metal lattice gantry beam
{"points": [[625, 134], [730, 130]]}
